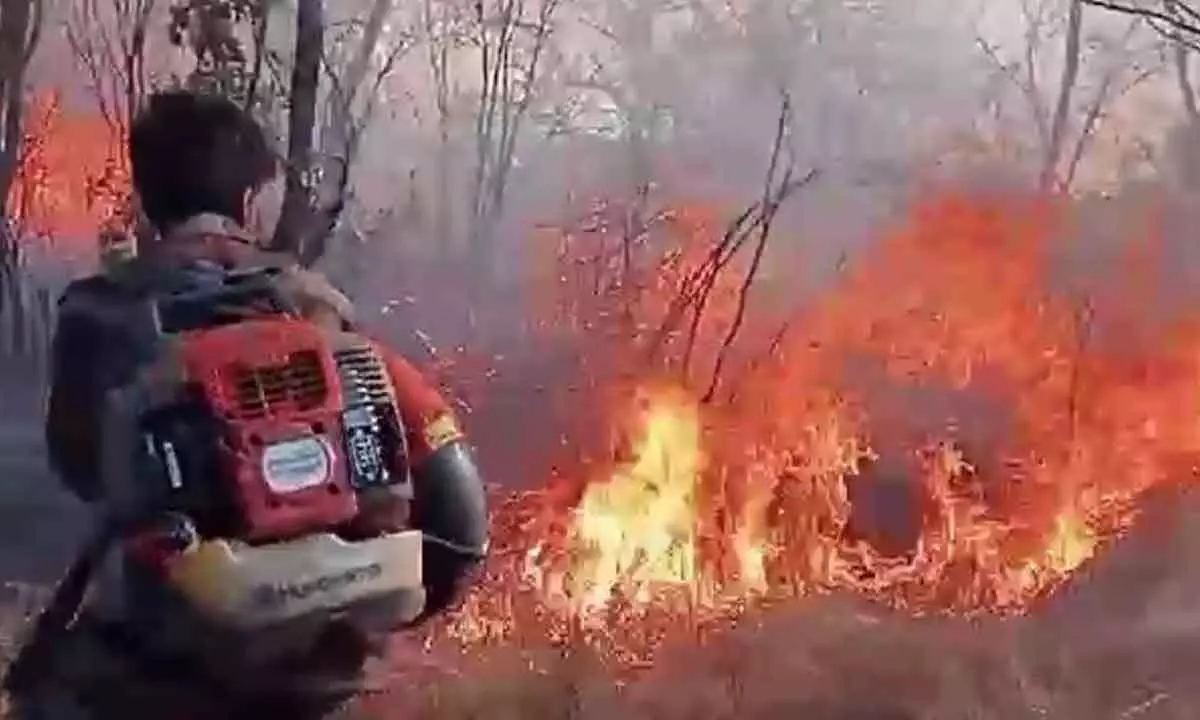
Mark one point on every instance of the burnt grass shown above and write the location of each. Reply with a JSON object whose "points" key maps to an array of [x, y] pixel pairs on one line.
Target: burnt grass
{"points": [[1120, 641]]}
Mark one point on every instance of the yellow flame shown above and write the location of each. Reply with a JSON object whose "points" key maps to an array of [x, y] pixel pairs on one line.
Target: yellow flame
{"points": [[636, 532]]}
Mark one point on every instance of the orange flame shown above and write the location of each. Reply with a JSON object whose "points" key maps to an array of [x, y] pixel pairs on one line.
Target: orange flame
{"points": [[637, 530], [72, 176], [1007, 424], [756, 494]]}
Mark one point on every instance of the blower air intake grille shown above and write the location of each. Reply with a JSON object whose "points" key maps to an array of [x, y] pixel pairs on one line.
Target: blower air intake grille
{"points": [[364, 378], [294, 386]]}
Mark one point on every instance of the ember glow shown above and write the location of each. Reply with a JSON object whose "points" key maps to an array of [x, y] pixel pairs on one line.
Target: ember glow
{"points": [[702, 505]]}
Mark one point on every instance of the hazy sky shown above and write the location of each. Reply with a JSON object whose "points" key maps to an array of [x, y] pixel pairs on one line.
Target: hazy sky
{"points": [[999, 21]]}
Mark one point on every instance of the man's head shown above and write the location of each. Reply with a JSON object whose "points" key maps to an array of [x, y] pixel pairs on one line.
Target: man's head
{"points": [[193, 153]]}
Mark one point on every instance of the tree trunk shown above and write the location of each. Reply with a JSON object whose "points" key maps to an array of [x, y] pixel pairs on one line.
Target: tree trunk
{"points": [[339, 135], [20, 23], [294, 233], [20, 28], [1183, 80]]}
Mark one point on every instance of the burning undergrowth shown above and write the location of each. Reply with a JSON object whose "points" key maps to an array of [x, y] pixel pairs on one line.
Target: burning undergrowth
{"points": [[949, 428], [955, 424]]}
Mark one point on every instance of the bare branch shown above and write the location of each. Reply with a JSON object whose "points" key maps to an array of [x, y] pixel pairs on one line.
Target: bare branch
{"points": [[770, 204], [341, 129], [1184, 20], [1107, 91], [1027, 88], [110, 44], [512, 41]]}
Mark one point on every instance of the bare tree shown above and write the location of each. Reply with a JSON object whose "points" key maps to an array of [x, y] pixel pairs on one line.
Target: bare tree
{"points": [[319, 151], [512, 39], [445, 31], [1072, 47], [1177, 19], [1182, 53], [318, 177], [1179, 22], [355, 89], [108, 40], [621, 82], [630, 84], [20, 30], [296, 222], [1066, 118], [342, 127]]}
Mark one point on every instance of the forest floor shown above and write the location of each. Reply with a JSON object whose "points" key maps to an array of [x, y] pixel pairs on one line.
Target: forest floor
{"points": [[1122, 641]]}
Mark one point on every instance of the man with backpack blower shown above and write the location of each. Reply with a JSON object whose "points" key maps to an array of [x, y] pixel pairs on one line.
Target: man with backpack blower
{"points": [[275, 491]]}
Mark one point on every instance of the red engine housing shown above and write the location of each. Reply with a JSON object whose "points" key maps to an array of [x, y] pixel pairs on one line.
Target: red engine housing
{"points": [[274, 386]]}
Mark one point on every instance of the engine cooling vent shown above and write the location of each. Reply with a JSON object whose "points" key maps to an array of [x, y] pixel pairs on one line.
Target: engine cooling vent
{"points": [[295, 386], [364, 378]]}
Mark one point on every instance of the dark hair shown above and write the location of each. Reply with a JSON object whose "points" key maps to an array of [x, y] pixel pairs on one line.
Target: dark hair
{"points": [[193, 153]]}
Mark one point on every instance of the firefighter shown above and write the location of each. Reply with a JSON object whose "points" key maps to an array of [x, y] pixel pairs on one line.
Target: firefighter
{"points": [[208, 182]]}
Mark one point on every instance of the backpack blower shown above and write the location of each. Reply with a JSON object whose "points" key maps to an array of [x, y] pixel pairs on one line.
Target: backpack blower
{"points": [[237, 465]]}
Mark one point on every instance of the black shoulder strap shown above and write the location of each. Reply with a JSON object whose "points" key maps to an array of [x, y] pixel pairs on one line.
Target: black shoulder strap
{"points": [[177, 298], [224, 297]]}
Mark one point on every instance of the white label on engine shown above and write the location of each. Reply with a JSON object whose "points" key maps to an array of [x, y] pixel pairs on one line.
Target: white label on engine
{"points": [[296, 464]]}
